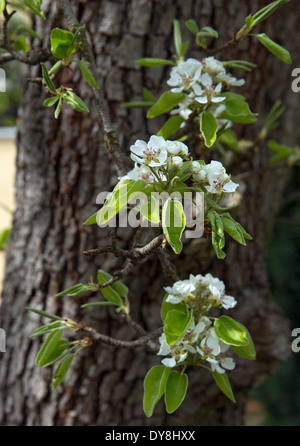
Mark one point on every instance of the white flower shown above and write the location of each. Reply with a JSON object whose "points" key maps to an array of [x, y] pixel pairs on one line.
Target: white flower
{"points": [[219, 181], [184, 75], [179, 291], [195, 167], [210, 346], [210, 92], [178, 352], [139, 173], [176, 162], [165, 349], [213, 66], [153, 153], [217, 290], [228, 79], [177, 148]]}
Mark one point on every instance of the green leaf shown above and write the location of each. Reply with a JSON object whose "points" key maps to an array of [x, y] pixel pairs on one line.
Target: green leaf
{"points": [[176, 325], [73, 290], [48, 347], [240, 65], [153, 62], [208, 127], [148, 95], [47, 79], [88, 75], [173, 223], [35, 6], [170, 127], [55, 67], [4, 236], [91, 220], [75, 102], [208, 31], [44, 314], [167, 306], [61, 371], [111, 292], [223, 383], [274, 48], [137, 104], [239, 227], [237, 109], [230, 139], [263, 13], [165, 103], [177, 37], [176, 389], [192, 26], [62, 43], [122, 193], [2, 5], [102, 303], [230, 331], [281, 152], [218, 239], [233, 230], [47, 328], [150, 210], [58, 108], [154, 387], [58, 353], [51, 101], [245, 351]]}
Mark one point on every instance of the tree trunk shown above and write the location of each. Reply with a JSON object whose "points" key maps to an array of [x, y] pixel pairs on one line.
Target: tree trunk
{"points": [[61, 167]]}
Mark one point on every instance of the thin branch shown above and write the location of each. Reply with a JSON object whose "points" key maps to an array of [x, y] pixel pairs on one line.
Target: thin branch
{"points": [[110, 135], [143, 341]]}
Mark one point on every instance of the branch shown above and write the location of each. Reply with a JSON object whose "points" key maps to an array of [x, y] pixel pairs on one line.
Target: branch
{"points": [[110, 135], [146, 340]]}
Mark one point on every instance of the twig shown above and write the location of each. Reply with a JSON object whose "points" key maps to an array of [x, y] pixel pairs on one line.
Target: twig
{"points": [[146, 340]]}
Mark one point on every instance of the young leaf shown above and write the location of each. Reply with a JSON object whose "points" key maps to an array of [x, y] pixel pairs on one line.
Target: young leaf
{"points": [[35, 6], [51, 101], [48, 328], [223, 383], [230, 331], [176, 388], [170, 127], [281, 152], [177, 37], [110, 293], [73, 290], [153, 62], [263, 13], [75, 102], [167, 306], [88, 75], [58, 108], [20, 44], [245, 351], [274, 48], [176, 325], [154, 387], [58, 353], [237, 109], [61, 43], [192, 26], [122, 193], [208, 127], [173, 223], [208, 31], [47, 79], [48, 347], [44, 314], [61, 371], [218, 239], [233, 230], [165, 103]]}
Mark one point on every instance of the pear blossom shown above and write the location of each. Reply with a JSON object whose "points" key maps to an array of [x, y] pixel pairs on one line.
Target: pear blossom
{"points": [[184, 75], [219, 180], [152, 154], [213, 66], [179, 291], [177, 148], [178, 352], [210, 93], [139, 173], [215, 288], [223, 363], [177, 162]]}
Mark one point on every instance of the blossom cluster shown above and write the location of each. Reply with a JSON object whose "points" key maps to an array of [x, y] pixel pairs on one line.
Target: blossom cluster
{"points": [[203, 81], [214, 177], [200, 342]]}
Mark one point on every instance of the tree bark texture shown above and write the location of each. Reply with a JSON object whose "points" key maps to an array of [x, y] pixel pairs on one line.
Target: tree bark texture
{"points": [[61, 167]]}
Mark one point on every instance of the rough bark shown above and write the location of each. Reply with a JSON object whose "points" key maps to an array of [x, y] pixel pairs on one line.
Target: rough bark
{"points": [[61, 167]]}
